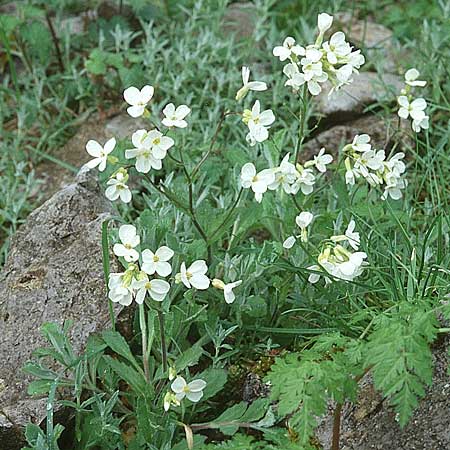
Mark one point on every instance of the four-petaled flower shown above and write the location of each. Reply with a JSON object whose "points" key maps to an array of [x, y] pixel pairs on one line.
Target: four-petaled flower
{"points": [[157, 289], [258, 123], [321, 160], [249, 86], [194, 275], [193, 391], [117, 187], [227, 289], [138, 99], [258, 182], [415, 109], [129, 240], [411, 76], [175, 117], [288, 48], [158, 261], [99, 153]]}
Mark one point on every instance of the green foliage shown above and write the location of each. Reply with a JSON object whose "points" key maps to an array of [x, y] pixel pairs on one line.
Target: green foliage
{"points": [[303, 382], [399, 355]]}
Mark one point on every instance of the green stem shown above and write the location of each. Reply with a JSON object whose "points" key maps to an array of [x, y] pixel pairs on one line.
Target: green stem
{"points": [[143, 325], [163, 340], [229, 214], [301, 129]]}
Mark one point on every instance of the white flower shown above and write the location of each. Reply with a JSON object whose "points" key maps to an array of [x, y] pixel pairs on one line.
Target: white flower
{"points": [[361, 143], [350, 269], [337, 48], [356, 59], [175, 117], [99, 153], [257, 123], [321, 160], [394, 187], [227, 289], [129, 239], [138, 99], [194, 275], [289, 47], [157, 289], [117, 187], [305, 181], [289, 242], [118, 293], [324, 22], [415, 109], [411, 76], [313, 74], [249, 86], [157, 262], [352, 235], [257, 182], [423, 123], [285, 176], [396, 165], [150, 148], [304, 219], [192, 391]]}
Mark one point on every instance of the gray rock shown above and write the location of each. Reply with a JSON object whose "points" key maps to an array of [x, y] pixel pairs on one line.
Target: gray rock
{"points": [[53, 273], [123, 126], [375, 40], [239, 20], [350, 101], [384, 132], [371, 423]]}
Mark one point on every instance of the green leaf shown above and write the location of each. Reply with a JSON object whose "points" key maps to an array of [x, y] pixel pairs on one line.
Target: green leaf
{"points": [[135, 379], [119, 345]]}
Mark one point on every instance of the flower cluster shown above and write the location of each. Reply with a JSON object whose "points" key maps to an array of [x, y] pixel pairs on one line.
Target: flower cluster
{"points": [[180, 389], [340, 258], [410, 107], [292, 178], [363, 161], [334, 60], [134, 282], [149, 147]]}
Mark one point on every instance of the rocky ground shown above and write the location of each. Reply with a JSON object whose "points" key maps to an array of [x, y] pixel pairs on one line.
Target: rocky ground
{"points": [[54, 270]]}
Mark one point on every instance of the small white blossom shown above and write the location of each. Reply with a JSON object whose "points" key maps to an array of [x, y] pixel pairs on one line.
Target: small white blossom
{"points": [[411, 76], [361, 143], [305, 181], [288, 48], [415, 109], [99, 153], [304, 219], [158, 261], [129, 239], [117, 188], [138, 99], [193, 391], [337, 47], [324, 22], [422, 124], [258, 182], [285, 176], [175, 117], [258, 123], [249, 86], [150, 149], [157, 289], [227, 289], [321, 160], [352, 235], [118, 292], [194, 275]]}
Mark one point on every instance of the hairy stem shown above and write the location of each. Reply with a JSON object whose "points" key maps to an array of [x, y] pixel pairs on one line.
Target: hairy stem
{"points": [[143, 326], [233, 207], [163, 340], [302, 126]]}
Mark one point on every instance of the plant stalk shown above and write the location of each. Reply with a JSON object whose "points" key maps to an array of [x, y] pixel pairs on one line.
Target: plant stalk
{"points": [[143, 325]]}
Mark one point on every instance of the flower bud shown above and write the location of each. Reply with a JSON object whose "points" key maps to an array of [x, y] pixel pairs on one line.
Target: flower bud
{"points": [[218, 284], [324, 22]]}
